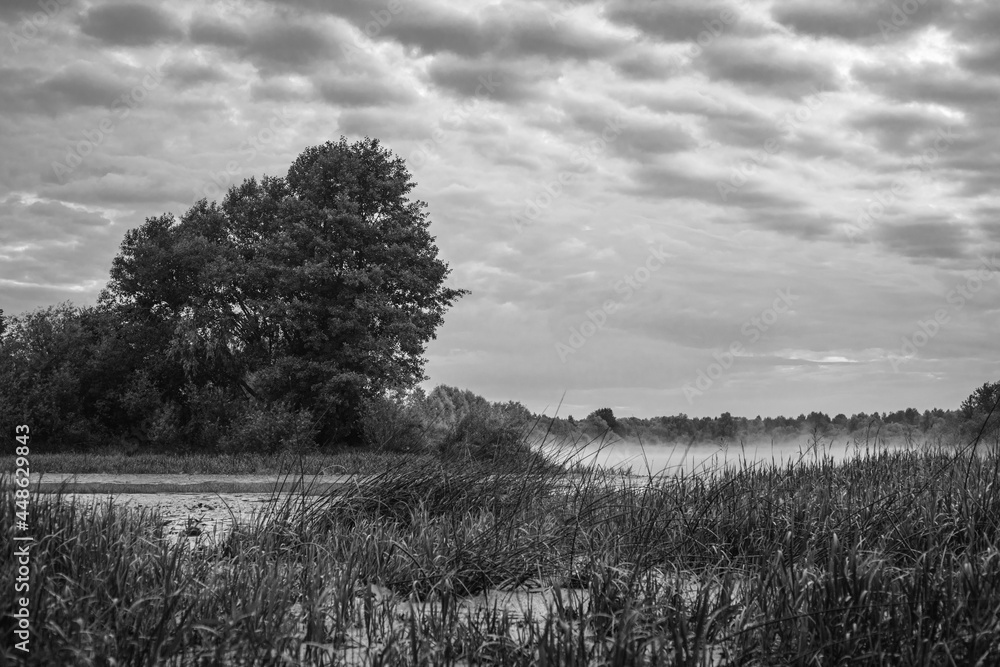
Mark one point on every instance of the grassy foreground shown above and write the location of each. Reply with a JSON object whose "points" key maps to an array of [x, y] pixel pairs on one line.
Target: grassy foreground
{"points": [[886, 559]]}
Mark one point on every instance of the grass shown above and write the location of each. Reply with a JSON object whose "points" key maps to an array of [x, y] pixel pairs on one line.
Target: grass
{"points": [[887, 558]]}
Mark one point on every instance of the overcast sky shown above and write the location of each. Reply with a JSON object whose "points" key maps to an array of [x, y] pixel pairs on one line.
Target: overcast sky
{"points": [[755, 207]]}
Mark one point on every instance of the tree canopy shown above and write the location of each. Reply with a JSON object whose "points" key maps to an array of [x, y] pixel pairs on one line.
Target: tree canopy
{"points": [[304, 295]]}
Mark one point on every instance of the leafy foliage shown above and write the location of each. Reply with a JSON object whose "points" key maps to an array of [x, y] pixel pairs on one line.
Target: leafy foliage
{"points": [[982, 401], [294, 300], [450, 421], [606, 415]]}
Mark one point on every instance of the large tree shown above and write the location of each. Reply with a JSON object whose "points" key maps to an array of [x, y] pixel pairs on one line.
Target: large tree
{"points": [[315, 291]]}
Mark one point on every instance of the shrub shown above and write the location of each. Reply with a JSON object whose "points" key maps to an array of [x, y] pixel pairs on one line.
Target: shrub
{"points": [[487, 432], [395, 423], [267, 428], [605, 414]]}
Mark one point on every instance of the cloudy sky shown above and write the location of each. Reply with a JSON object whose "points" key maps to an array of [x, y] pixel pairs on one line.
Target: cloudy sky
{"points": [[693, 206]]}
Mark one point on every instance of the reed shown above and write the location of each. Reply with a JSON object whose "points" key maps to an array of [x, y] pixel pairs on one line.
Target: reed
{"points": [[887, 558]]}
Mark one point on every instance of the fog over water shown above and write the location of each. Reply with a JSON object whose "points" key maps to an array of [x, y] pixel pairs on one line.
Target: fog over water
{"points": [[673, 458]]}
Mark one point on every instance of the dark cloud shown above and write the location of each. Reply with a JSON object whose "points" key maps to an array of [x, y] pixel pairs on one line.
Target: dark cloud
{"points": [[277, 89], [83, 86], [767, 68], [979, 182], [849, 19], [209, 30], [189, 74], [988, 220], [662, 182], [131, 24], [646, 64], [795, 223], [511, 30], [682, 20], [442, 32], [640, 139], [940, 84], [503, 81], [19, 93], [276, 41], [529, 34], [12, 11], [50, 220], [984, 59], [287, 46], [739, 127], [859, 20], [989, 226], [928, 240], [901, 131], [975, 21]]}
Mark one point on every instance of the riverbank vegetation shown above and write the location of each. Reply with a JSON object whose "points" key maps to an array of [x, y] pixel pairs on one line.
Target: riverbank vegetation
{"points": [[888, 558]]}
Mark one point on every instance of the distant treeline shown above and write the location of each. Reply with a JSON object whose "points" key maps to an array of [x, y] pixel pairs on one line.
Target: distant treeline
{"points": [[910, 424]]}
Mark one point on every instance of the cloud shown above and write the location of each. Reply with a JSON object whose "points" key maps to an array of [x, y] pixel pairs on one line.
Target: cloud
{"points": [[48, 249], [900, 131], [130, 24], [927, 240], [674, 182], [641, 138], [747, 128], [213, 31], [391, 124], [363, 91], [937, 83], [859, 20], [984, 59], [643, 62], [549, 76], [119, 190], [791, 223], [12, 11], [275, 41], [513, 30], [81, 85], [186, 73], [767, 67], [683, 20], [506, 82], [282, 45]]}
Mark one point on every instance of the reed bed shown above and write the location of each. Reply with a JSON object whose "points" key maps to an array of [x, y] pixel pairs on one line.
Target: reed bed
{"points": [[888, 558]]}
